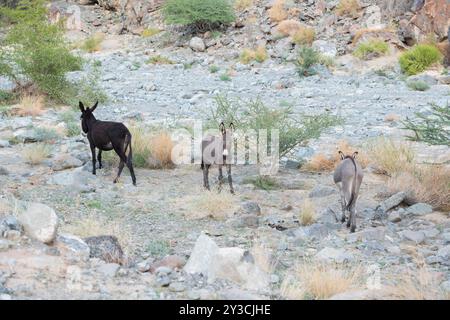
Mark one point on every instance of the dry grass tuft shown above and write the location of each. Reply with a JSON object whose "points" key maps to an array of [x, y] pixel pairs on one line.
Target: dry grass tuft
{"points": [[391, 117], [209, 204], [425, 183], [161, 146], [30, 105], [304, 36], [307, 214], [277, 12], [242, 5], [348, 7], [389, 156], [289, 27], [319, 281], [263, 258], [96, 225], [36, 153], [321, 162], [421, 284], [258, 55], [93, 43]]}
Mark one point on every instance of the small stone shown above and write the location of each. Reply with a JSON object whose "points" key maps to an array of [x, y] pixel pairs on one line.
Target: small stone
{"points": [[419, 209], [144, 266], [163, 281], [39, 221], [109, 269], [12, 235], [72, 247], [394, 217], [392, 201], [431, 233], [415, 236], [249, 207], [329, 254], [163, 271], [177, 287], [4, 245], [446, 237]]}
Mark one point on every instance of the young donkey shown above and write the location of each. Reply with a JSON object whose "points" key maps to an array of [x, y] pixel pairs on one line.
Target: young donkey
{"points": [[348, 177], [217, 150], [106, 136]]}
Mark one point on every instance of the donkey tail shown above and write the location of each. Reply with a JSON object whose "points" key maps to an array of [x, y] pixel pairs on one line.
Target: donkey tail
{"points": [[353, 193]]}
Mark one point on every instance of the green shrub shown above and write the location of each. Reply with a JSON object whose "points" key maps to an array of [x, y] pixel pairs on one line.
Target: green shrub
{"points": [[371, 48], [433, 128], [225, 77], [214, 69], [199, 14], [34, 50], [263, 182], [419, 58], [255, 115], [418, 85], [158, 59], [307, 58], [70, 118], [6, 96]]}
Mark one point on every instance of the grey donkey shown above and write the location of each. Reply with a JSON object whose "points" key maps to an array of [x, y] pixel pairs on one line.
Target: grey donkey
{"points": [[348, 176]]}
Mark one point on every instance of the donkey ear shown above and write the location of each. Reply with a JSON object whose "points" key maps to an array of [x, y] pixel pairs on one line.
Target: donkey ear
{"points": [[95, 106], [341, 154], [80, 104], [355, 154], [232, 127], [222, 127]]}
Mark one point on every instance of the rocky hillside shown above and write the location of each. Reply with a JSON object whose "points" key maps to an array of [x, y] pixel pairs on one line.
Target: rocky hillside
{"points": [[68, 234]]}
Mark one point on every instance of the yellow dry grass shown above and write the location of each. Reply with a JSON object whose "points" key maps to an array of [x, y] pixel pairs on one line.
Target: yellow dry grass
{"points": [[242, 5], [36, 153], [30, 105], [161, 146], [249, 55], [304, 36], [348, 7], [277, 12], [307, 214], [319, 281], [289, 27], [209, 204]]}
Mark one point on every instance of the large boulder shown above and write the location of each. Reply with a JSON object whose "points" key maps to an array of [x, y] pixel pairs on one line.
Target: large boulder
{"points": [[233, 264], [39, 221], [433, 17]]}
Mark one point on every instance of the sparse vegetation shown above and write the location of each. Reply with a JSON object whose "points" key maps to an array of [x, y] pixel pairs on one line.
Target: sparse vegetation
{"points": [[36, 153], [348, 7], [372, 48], [431, 128], [209, 204], [307, 58], [225, 77], [158, 248], [419, 59], [258, 55], [93, 43], [304, 36], [288, 27], [307, 214], [34, 52], [315, 281], [277, 12], [72, 125], [263, 183], [30, 105], [242, 5], [214, 69], [200, 15], [255, 115], [159, 59], [150, 32], [418, 85]]}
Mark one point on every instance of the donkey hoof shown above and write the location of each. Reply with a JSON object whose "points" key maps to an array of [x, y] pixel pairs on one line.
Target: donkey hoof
{"points": [[352, 229]]}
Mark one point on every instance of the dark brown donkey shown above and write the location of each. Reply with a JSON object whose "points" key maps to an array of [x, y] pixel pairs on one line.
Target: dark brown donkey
{"points": [[106, 136], [218, 150]]}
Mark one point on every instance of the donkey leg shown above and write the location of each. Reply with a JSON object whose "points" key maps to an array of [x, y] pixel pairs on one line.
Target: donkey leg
{"points": [[341, 193], [205, 176], [130, 167], [99, 158], [230, 179], [220, 177], [121, 165], [353, 217], [93, 159]]}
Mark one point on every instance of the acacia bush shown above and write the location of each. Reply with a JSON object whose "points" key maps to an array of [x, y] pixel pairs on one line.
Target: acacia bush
{"points": [[255, 115], [200, 15], [34, 52]]}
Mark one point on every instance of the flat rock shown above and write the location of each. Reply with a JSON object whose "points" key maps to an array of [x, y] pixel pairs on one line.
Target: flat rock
{"points": [[419, 209], [415, 236], [392, 201], [72, 246], [109, 269], [329, 254]]}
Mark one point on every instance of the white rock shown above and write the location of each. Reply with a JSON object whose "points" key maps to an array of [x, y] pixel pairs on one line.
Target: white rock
{"points": [[329, 254], [39, 222], [204, 250], [73, 247], [197, 44]]}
